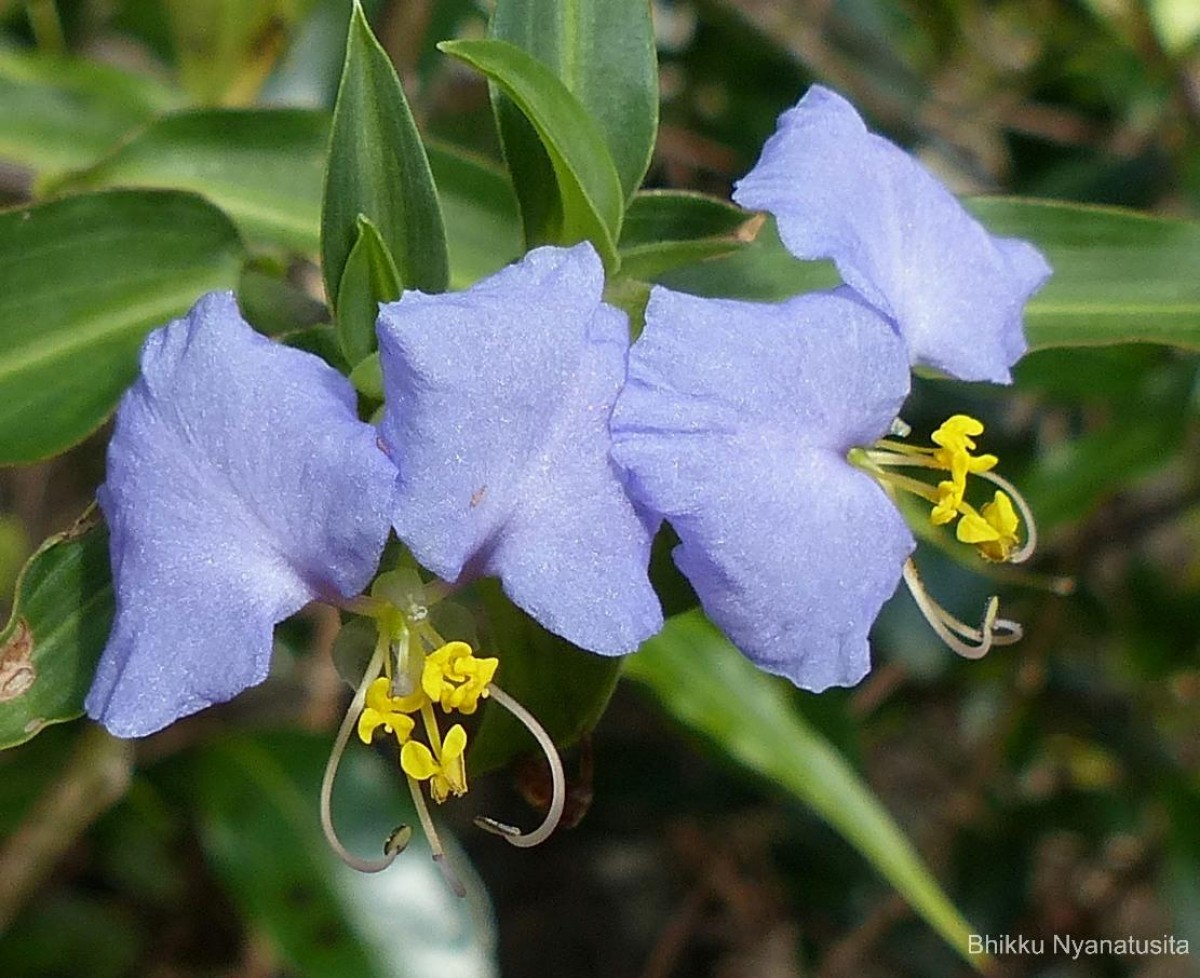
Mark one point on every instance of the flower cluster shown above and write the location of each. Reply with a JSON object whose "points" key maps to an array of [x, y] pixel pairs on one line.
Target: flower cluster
{"points": [[451, 676], [523, 438]]}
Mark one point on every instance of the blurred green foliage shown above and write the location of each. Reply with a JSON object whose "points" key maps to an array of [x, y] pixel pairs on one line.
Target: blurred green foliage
{"points": [[1053, 788]]}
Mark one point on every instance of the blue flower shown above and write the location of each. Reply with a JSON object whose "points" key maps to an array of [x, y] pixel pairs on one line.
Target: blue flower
{"points": [[241, 485], [735, 425], [954, 292], [498, 401]]}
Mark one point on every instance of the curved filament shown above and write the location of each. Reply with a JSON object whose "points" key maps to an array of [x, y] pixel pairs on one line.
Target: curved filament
{"points": [[510, 833], [435, 842], [955, 633], [1026, 550], [398, 838]]}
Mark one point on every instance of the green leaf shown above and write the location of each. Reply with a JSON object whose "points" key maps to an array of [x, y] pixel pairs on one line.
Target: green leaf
{"points": [[1119, 276], [263, 167], [1070, 479], [655, 216], [60, 113], [272, 304], [257, 804], [564, 687], [85, 278], [762, 271], [706, 684], [588, 186], [14, 545], [603, 52], [321, 340], [666, 229], [367, 377], [1109, 376], [369, 278], [59, 626], [482, 222], [377, 167]]}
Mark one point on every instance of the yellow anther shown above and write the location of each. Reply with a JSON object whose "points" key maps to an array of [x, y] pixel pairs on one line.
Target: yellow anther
{"points": [[454, 677], [974, 529], [990, 530], [389, 712], [956, 441], [993, 530], [950, 498], [956, 432], [1000, 514], [371, 720], [447, 773]]}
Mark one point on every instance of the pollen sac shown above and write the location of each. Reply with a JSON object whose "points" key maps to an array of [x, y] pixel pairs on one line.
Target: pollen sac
{"points": [[446, 771], [387, 711], [994, 530], [454, 677]]}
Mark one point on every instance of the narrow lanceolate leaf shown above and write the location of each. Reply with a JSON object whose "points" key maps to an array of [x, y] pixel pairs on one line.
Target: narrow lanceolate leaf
{"points": [[60, 621], [60, 113], [482, 229], [1119, 276], [262, 167], [655, 216], [761, 271], [369, 278], [603, 52], [378, 168], [666, 229], [85, 278], [706, 684], [589, 190]]}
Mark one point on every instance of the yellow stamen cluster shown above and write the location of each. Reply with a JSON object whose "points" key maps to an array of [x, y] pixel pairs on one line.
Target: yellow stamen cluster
{"points": [[420, 669], [992, 529], [955, 442], [456, 679]]}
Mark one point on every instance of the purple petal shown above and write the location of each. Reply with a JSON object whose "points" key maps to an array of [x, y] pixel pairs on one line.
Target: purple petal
{"points": [[241, 485], [498, 401], [734, 425], [898, 237]]}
